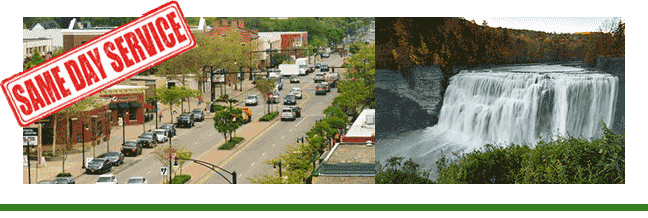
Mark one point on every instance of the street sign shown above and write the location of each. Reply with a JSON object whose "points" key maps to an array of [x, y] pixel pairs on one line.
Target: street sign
{"points": [[164, 171], [30, 136]]}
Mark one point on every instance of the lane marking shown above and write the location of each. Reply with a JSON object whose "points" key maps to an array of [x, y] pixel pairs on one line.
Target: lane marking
{"points": [[282, 137], [263, 154], [253, 164]]}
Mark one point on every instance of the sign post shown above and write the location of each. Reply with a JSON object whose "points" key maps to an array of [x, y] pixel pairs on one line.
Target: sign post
{"points": [[164, 171]]}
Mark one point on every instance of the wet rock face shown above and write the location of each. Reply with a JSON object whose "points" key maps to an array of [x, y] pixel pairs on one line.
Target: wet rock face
{"points": [[405, 104]]}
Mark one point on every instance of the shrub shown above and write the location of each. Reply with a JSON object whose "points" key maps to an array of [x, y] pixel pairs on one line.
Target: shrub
{"points": [[218, 107], [397, 172], [180, 179], [237, 140], [566, 160], [269, 116], [64, 175], [227, 146]]}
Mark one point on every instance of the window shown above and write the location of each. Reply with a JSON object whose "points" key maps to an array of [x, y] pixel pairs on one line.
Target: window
{"points": [[132, 113]]}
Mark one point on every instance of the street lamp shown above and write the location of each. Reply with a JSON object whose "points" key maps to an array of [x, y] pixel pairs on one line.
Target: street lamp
{"points": [[70, 136], [124, 126], [275, 166], [83, 130], [210, 166]]}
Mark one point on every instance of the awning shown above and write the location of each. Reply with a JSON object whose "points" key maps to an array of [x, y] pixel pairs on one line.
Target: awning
{"points": [[123, 105], [112, 106], [149, 106], [135, 104]]}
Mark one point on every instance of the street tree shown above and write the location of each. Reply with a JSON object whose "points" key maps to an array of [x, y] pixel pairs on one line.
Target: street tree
{"points": [[165, 155], [227, 121], [266, 88], [168, 96], [65, 114]]}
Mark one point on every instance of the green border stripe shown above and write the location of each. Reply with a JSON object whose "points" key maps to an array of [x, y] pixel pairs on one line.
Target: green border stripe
{"points": [[323, 207]]}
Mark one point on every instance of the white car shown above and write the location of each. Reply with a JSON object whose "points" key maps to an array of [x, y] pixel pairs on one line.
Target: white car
{"points": [[137, 180], [162, 134], [295, 89], [106, 179], [297, 94], [288, 114], [251, 100]]}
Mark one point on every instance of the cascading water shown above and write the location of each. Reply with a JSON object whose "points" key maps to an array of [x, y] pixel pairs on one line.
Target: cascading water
{"points": [[511, 105]]}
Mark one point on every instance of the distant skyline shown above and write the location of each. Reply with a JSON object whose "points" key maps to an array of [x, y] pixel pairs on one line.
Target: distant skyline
{"points": [[545, 24]]}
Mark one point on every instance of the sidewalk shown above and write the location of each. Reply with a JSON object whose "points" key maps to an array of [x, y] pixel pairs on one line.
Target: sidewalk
{"points": [[73, 162]]}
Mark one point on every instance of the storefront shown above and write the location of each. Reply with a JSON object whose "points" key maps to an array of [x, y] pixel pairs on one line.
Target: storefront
{"points": [[127, 104]]}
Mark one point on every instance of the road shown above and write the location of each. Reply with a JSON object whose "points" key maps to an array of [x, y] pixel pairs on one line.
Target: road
{"points": [[204, 137], [270, 144]]}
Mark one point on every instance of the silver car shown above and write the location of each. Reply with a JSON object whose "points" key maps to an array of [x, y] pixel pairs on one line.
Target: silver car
{"points": [[162, 134], [251, 100], [297, 94], [106, 179]]}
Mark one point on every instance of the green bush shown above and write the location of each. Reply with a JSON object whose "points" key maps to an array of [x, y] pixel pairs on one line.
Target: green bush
{"points": [[269, 116], [237, 140], [566, 160], [180, 179], [397, 172], [64, 175], [218, 107], [227, 146]]}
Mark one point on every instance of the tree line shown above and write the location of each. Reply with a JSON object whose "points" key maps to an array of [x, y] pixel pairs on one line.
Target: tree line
{"points": [[456, 43]]}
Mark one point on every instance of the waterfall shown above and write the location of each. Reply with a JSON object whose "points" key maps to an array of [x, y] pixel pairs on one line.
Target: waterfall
{"points": [[514, 107], [510, 105]]}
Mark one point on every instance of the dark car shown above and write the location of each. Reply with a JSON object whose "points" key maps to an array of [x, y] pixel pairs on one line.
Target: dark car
{"points": [[320, 89], [317, 65], [97, 165], [198, 114], [64, 180], [148, 139], [324, 68], [115, 158], [279, 86], [171, 128], [297, 110], [290, 99], [132, 147], [186, 120]]}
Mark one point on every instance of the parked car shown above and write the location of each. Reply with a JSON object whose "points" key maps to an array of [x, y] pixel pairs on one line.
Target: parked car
{"points": [[279, 86], [171, 128], [162, 135], [297, 94], [324, 68], [136, 180], [148, 139], [290, 99], [320, 89], [328, 86], [199, 115], [326, 55], [186, 119], [317, 65], [294, 79], [64, 180], [115, 158], [132, 147], [47, 182], [106, 179], [97, 165], [251, 100]]}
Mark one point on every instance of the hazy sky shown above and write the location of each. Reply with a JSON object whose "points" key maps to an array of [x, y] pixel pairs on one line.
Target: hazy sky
{"points": [[546, 24]]}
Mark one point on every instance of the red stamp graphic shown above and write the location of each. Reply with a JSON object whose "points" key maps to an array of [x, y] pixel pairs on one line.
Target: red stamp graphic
{"points": [[158, 35]]}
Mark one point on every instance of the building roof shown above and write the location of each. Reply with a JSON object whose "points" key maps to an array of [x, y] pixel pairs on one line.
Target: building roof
{"points": [[117, 87], [364, 125], [349, 160]]}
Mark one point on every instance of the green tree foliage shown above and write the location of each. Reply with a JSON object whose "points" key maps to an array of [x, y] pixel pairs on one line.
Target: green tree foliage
{"points": [[168, 96], [565, 160], [397, 172], [227, 121]]}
